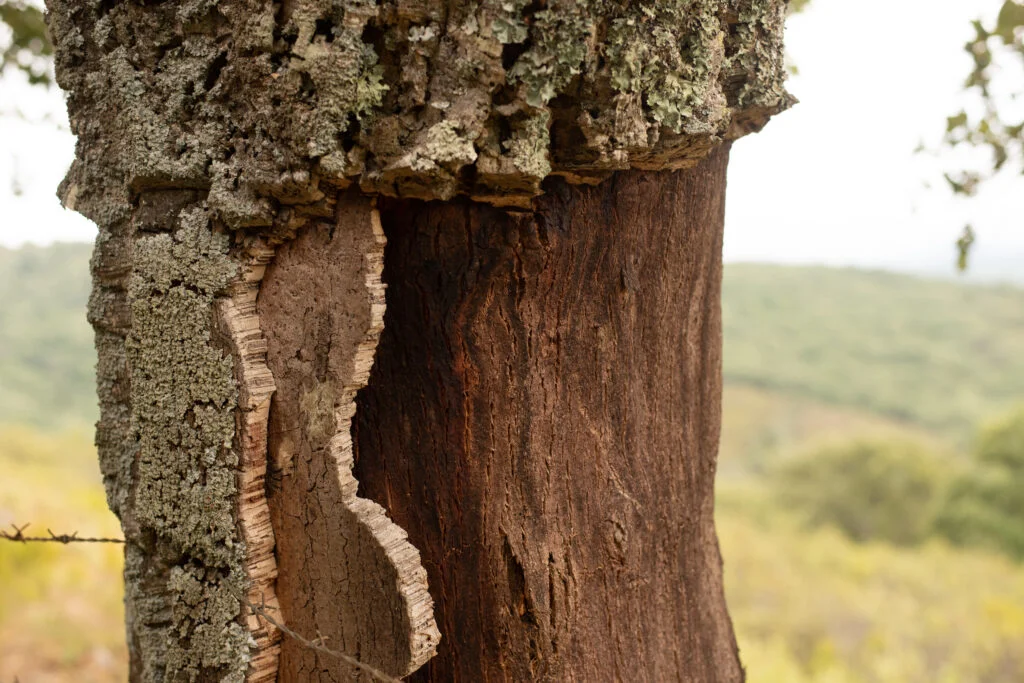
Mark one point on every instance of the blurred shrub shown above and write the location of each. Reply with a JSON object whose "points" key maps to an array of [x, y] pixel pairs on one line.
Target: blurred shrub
{"points": [[985, 506], [27, 47], [814, 607], [870, 489]]}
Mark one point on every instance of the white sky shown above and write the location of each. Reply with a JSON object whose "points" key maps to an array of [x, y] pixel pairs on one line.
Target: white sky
{"points": [[834, 180]]}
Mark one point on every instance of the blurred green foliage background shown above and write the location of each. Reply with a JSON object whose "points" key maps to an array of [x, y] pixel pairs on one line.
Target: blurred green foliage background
{"points": [[870, 489], [46, 354]]}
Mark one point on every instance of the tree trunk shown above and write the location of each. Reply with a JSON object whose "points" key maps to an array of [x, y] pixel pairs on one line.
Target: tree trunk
{"points": [[524, 482], [543, 420]]}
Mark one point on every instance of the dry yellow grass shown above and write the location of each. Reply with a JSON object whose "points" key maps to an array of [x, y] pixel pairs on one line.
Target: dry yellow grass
{"points": [[60, 607]]}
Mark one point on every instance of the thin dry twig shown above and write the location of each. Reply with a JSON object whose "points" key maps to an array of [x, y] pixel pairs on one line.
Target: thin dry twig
{"points": [[260, 611]]}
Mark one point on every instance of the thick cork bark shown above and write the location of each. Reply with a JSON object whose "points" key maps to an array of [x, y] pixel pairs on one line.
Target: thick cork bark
{"points": [[322, 310], [231, 154], [543, 420]]}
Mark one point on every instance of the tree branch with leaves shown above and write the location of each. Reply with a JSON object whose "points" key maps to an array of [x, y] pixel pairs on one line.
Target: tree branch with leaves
{"points": [[995, 128], [27, 47]]}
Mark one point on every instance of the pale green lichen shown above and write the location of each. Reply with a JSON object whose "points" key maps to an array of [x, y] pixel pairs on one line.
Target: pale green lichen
{"points": [[205, 635], [759, 52], [529, 146], [349, 84], [183, 390], [356, 89], [184, 473], [509, 29], [445, 145], [670, 54], [558, 53]]}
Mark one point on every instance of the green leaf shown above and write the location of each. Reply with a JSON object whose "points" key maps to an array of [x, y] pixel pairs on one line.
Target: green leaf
{"points": [[30, 49], [956, 121], [1011, 18], [963, 247]]}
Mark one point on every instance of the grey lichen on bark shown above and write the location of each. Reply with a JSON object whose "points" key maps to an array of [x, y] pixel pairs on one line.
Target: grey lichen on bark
{"points": [[273, 104], [210, 132], [183, 402], [167, 437]]}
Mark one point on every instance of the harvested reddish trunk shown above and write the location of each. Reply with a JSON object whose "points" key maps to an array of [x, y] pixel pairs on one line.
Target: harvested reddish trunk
{"points": [[543, 420]]}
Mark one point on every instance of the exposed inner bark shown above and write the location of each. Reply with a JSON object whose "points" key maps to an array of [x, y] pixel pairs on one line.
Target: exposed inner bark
{"points": [[543, 420], [347, 574]]}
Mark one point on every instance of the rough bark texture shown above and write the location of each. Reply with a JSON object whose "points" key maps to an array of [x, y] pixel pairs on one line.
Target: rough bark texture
{"points": [[273, 103], [167, 437], [215, 138], [322, 310], [543, 420]]}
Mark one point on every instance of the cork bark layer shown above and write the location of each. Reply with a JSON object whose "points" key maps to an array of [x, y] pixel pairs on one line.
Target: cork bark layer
{"points": [[267, 104], [224, 143], [346, 571]]}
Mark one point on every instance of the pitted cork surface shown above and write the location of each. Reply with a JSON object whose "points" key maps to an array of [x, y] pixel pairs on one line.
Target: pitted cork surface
{"points": [[322, 309], [270, 104]]}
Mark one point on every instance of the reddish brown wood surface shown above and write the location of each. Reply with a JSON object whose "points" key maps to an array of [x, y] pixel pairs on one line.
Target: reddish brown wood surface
{"points": [[543, 419]]}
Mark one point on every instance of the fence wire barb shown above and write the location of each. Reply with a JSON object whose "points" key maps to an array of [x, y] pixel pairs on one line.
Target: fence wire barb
{"points": [[18, 536], [260, 611]]}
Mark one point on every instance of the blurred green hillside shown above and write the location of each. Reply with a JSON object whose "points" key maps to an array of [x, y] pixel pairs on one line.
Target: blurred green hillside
{"points": [[805, 348], [46, 354], [849, 443], [931, 353]]}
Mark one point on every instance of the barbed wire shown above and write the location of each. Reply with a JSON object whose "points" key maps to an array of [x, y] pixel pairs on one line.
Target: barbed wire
{"points": [[259, 611], [19, 537]]}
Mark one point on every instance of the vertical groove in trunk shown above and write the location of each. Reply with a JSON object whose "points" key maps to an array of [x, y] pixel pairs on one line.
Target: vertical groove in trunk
{"points": [[543, 419]]}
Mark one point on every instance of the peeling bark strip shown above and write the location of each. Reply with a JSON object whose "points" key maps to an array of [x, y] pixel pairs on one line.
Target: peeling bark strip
{"points": [[240, 324], [322, 310], [543, 420], [186, 387]]}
